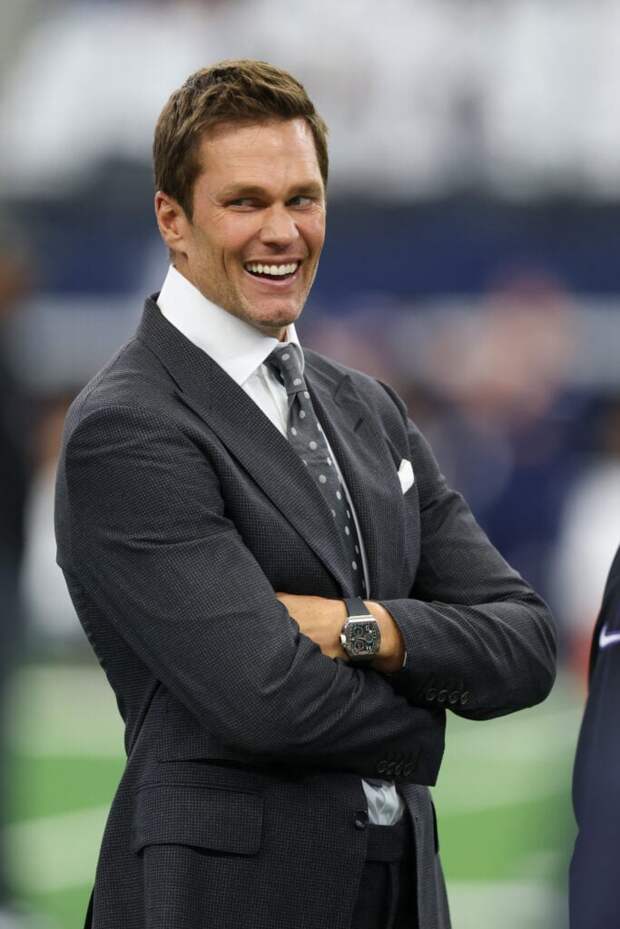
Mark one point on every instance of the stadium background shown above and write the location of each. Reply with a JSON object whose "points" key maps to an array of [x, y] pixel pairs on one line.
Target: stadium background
{"points": [[471, 261]]}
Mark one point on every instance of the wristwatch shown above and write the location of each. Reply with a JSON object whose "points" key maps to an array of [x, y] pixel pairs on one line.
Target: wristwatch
{"points": [[361, 635]]}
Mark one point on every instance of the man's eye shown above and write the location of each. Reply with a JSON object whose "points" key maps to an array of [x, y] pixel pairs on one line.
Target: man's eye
{"points": [[301, 201], [244, 203]]}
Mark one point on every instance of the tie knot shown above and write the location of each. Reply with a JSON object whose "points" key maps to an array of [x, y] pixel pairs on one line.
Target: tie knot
{"points": [[286, 361]]}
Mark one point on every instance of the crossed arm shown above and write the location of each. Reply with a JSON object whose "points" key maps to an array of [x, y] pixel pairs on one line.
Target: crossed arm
{"points": [[477, 636], [150, 536], [322, 619]]}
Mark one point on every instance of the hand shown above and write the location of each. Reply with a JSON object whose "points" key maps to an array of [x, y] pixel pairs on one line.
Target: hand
{"points": [[320, 619]]}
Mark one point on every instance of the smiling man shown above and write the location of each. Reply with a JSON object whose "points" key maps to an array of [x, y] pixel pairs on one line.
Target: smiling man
{"points": [[283, 592]]}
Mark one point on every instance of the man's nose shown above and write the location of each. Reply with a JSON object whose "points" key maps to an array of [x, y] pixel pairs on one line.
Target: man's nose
{"points": [[278, 227]]}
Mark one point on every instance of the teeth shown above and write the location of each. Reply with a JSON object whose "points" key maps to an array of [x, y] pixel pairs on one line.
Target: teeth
{"points": [[273, 270]]}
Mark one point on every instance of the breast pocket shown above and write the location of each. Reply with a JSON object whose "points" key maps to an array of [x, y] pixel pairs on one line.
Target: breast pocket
{"points": [[406, 501], [209, 818]]}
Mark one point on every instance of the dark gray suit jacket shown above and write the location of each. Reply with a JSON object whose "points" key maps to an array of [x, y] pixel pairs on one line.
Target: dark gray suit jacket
{"points": [[180, 510]]}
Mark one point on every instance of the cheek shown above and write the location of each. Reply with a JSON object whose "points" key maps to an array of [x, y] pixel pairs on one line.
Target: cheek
{"points": [[237, 233], [202, 244], [314, 230]]}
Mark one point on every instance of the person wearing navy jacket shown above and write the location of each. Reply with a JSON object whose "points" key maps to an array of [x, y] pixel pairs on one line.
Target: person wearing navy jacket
{"points": [[595, 867]]}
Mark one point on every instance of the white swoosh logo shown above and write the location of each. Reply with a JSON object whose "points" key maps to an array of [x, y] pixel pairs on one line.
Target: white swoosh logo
{"points": [[606, 639]]}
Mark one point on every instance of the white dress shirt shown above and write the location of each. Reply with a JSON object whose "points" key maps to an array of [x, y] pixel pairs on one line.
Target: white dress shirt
{"points": [[241, 351]]}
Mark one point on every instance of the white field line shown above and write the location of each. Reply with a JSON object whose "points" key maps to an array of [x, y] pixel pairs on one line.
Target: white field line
{"points": [[509, 904], [69, 711], [520, 738], [508, 761], [70, 742], [56, 852], [65, 710], [476, 797], [60, 711]]}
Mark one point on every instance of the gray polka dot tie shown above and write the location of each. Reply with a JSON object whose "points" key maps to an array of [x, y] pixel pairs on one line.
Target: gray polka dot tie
{"points": [[305, 434]]}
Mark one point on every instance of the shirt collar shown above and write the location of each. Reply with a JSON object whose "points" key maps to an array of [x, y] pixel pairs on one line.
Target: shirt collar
{"points": [[235, 345]]}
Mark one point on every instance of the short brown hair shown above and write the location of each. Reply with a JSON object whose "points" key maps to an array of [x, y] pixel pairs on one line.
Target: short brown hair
{"points": [[243, 91]]}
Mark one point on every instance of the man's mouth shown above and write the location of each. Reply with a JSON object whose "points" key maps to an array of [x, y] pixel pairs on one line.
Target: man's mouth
{"points": [[272, 272]]}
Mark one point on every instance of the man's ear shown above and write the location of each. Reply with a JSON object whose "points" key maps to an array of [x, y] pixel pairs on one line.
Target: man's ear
{"points": [[172, 221]]}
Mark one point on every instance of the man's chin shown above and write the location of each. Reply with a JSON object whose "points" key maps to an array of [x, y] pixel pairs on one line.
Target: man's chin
{"points": [[272, 320], [276, 328]]}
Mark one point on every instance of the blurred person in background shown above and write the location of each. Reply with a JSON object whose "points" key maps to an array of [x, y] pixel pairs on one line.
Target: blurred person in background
{"points": [[588, 535], [500, 429], [594, 873], [15, 466], [49, 611], [227, 504]]}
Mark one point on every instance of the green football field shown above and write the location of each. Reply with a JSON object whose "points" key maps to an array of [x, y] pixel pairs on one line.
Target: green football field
{"points": [[503, 801]]}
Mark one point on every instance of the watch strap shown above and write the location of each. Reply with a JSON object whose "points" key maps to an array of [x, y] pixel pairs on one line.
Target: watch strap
{"points": [[356, 607]]}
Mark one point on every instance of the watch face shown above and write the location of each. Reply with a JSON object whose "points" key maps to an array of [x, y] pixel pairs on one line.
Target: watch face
{"points": [[363, 637]]}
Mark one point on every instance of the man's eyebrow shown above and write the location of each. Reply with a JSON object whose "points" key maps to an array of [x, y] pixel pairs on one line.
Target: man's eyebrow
{"points": [[312, 189], [242, 190], [234, 191]]}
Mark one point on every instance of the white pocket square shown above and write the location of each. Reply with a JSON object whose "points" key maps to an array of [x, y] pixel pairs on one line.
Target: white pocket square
{"points": [[405, 475]]}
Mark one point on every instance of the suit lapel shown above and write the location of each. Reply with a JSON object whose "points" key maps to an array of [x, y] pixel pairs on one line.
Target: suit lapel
{"points": [[249, 436], [367, 466]]}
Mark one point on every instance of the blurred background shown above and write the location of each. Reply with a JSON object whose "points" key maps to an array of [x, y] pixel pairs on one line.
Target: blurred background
{"points": [[471, 261]]}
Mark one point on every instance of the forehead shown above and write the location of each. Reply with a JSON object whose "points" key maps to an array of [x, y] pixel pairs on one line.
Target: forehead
{"points": [[259, 153]]}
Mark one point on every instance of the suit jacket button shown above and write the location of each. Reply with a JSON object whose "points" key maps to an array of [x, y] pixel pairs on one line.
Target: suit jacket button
{"points": [[382, 767], [464, 697], [361, 819], [441, 696], [454, 696], [408, 768], [431, 693]]}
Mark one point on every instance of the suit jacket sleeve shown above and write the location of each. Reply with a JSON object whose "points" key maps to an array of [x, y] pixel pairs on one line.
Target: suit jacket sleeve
{"points": [[151, 537], [478, 639]]}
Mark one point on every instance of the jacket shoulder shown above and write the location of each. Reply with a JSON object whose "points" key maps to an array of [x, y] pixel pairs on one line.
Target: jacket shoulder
{"points": [[381, 398], [132, 378]]}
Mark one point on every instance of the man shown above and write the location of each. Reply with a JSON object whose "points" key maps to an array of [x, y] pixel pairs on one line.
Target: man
{"points": [[594, 876], [220, 492]]}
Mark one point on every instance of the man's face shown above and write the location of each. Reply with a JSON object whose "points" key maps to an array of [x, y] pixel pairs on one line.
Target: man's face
{"points": [[258, 225]]}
